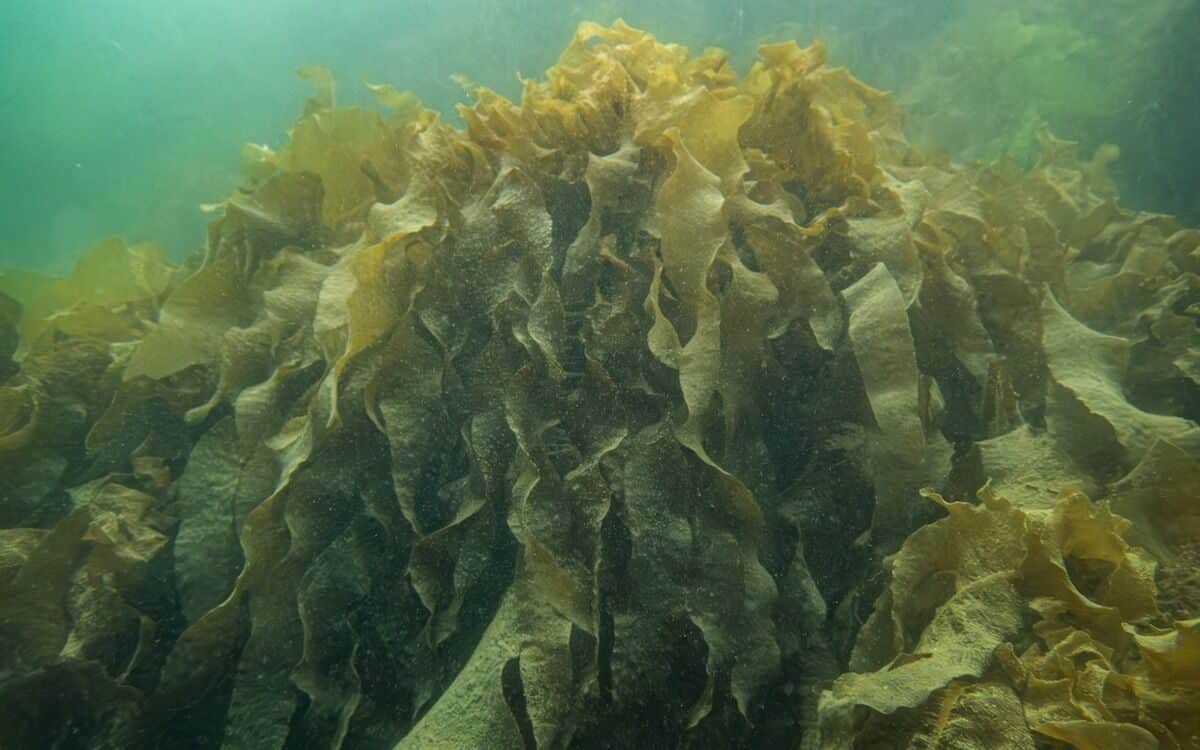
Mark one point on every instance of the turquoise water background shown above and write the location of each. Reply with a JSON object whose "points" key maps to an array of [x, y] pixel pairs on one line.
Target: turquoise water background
{"points": [[124, 116]]}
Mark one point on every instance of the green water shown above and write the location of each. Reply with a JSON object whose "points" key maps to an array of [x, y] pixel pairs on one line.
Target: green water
{"points": [[124, 117]]}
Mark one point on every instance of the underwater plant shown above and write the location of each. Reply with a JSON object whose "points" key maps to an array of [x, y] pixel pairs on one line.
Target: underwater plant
{"points": [[623, 416]]}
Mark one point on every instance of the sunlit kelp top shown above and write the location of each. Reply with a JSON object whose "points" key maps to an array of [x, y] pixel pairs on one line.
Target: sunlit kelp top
{"points": [[605, 422]]}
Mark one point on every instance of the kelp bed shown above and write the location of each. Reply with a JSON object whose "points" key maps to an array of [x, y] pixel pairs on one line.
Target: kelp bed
{"points": [[665, 408]]}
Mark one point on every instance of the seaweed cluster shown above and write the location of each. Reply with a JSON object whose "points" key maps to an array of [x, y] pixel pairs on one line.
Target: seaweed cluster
{"points": [[622, 417], [980, 81]]}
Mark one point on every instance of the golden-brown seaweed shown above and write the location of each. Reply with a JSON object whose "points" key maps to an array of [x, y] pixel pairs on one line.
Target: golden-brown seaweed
{"points": [[601, 422]]}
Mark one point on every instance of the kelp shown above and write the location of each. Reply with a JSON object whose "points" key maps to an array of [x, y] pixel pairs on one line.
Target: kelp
{"points": [[605, 421], [979, 82], [1061, 584]]}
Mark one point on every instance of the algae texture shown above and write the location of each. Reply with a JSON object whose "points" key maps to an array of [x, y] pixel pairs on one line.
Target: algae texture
{"points": [[624, 416], [980, 80]]}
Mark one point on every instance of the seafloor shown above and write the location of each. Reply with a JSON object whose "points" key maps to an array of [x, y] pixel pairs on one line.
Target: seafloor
{"points": [[665, 408]]}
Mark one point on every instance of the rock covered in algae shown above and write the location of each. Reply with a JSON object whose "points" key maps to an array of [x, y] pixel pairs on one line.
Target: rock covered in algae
{"points": [[603, 422]]}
